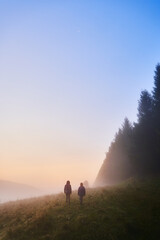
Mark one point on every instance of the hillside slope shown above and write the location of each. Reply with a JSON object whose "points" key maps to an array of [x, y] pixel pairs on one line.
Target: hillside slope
{"points": [[13, 191], [127, 211]]}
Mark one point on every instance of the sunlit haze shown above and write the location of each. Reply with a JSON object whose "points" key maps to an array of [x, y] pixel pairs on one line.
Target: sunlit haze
{"points": [[70, 72]]}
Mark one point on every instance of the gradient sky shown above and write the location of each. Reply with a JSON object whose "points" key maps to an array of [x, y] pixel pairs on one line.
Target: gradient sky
{"points": [[70, 72]]}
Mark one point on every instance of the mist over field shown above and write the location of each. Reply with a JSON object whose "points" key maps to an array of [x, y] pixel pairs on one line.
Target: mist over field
{"points": [[69, 75], [79, 120], [126, 211], [12, 191]]}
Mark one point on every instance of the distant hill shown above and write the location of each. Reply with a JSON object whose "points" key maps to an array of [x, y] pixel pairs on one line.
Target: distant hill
{"points": [[127, 211], [13, 191]]}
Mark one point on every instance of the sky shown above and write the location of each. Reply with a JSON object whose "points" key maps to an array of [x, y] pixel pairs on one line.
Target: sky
{"points": [[70, 72]]}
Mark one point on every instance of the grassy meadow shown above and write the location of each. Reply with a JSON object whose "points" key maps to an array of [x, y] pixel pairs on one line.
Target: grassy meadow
{"points": [[129, 211]]}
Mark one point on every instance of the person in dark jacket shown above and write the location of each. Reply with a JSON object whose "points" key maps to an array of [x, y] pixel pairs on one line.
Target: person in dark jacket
{"points": [[81, 192], [68, 191]]}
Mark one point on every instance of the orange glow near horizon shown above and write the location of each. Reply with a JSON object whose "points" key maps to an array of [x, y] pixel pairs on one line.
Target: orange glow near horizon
{"points": [[50, 172], [67, 83]]}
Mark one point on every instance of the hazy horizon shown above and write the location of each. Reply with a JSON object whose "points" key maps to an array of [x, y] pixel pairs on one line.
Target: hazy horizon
{"points": [[70, 72]]}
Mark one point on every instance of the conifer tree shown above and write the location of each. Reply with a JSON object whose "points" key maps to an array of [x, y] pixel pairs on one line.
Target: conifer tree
{"points": [[135, 150], [156, 90], [145, 107], [117, 165], [156, 114], [144, 137]]}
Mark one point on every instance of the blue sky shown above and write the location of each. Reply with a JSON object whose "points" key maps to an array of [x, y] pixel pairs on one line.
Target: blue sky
{"points": [[70, 72]]}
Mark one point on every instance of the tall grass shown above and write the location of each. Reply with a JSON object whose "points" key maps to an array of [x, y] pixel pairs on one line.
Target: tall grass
{"points": [[127, 211]]}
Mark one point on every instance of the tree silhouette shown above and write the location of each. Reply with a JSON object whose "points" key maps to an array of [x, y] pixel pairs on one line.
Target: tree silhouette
{"points": [[117, 165], [145, 107], [144, 137], [135, 150], [156, 90], [156, 115]]}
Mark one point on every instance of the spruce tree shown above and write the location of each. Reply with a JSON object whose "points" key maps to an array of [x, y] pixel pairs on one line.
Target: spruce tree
{"points": [[135, 150], [144, 137], [145, 107], [156, 90], [156, 114]]}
